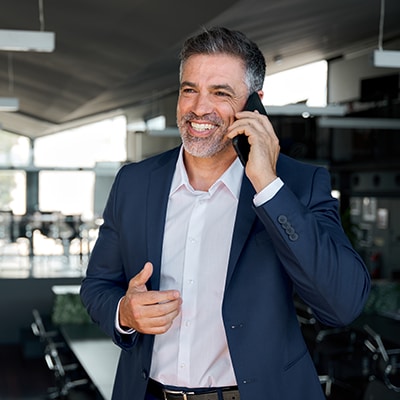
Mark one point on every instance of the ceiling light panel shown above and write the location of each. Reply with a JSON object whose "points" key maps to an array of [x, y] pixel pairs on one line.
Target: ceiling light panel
{"points": [[17, 40]]}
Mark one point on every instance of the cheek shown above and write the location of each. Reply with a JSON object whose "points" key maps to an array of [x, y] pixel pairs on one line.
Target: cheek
{"points": [[229, 118], [182, 107], [228, 111]]}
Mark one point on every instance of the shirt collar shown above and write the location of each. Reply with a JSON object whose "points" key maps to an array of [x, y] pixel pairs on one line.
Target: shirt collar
{"points": [[231, 178]]}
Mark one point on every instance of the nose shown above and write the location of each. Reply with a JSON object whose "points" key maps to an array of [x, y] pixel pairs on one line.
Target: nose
{"points": [[202, 104]]}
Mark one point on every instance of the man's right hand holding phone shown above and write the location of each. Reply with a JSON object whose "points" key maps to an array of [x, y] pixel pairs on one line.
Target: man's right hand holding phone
{"points": [[264, 146]]}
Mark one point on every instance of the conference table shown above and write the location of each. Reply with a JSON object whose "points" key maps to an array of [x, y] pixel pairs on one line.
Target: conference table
{"points": [[96, 352]]}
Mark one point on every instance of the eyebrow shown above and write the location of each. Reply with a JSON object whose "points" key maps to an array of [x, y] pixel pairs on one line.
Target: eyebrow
{"points": [[226, 87]]}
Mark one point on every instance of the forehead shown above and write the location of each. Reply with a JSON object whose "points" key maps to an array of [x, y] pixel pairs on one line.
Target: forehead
{"points": [[216, 68]]}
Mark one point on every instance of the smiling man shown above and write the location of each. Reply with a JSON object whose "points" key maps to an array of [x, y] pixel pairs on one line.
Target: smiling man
{"points": [[196, 264]]}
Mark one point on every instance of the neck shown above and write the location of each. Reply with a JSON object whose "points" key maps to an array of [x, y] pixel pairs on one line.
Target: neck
{"points": [[204, 172]]}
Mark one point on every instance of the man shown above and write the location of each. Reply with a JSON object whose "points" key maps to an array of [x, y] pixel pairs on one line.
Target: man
{"points": [[198, 259]]}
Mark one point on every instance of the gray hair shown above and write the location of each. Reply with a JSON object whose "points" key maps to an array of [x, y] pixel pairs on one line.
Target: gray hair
{"points": [[221, 40]]}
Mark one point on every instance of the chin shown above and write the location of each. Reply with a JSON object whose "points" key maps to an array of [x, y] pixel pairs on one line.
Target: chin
{"points": [[203, 148]]}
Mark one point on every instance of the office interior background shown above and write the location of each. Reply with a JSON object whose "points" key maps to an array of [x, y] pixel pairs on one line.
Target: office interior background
{"points": [[102, 92]]}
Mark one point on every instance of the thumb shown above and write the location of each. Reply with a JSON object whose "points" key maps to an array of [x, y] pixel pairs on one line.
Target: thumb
{"points": [[139, 281]]}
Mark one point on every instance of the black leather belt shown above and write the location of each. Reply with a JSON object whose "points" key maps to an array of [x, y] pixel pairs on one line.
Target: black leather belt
{"points": [[163, 393]]}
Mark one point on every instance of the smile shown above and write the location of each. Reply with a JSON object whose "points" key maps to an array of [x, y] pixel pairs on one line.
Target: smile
{"points": [[202, 127]]}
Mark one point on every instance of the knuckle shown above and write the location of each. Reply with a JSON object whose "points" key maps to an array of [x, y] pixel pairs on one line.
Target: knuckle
{"points": [[136, 313]]}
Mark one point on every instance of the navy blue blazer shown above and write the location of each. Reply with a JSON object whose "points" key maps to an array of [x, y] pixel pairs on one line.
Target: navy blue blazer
{"points": [[292, 243]]}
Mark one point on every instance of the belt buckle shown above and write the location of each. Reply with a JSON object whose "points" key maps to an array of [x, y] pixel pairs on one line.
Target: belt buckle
{"points": [[176, 393]]}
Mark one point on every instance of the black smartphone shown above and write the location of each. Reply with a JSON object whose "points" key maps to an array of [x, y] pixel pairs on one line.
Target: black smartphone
{"points": [[240, 142]]}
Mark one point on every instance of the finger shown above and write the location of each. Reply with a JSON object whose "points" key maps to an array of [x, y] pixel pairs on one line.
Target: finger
{"points": [[158, 322], [243, 129], [154, 297], [250, 114], [255, 117], [139, 281], [154, 329], [245, 126], [157, 310]]}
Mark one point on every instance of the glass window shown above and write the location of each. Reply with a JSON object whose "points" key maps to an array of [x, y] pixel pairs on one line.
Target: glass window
{"points": [[83, 146], [67, 192], [14, 149], [13, 191], [307, 83]]}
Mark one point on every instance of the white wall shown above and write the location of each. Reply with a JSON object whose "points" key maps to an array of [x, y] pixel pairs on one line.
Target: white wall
{"points": [[345, 75]]}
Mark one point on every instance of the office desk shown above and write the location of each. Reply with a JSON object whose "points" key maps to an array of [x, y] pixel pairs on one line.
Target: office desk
{"points": [[65, 289], [96, 352]]}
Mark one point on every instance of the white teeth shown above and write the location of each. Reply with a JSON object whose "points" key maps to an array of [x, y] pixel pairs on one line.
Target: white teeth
{"points": [[202, 127]]}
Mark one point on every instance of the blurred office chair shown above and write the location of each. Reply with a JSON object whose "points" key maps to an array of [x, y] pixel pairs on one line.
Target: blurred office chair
{"points": [[377, 390], [45, 334], [67, 371], [333, 350], [67, 375], [385, 363]]}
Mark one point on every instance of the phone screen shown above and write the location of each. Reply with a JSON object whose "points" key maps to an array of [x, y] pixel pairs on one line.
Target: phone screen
{"points": [[240, 142]]}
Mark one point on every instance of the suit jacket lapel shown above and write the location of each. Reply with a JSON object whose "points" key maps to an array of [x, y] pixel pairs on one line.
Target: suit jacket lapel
{"points": [[159, 188], [244, 221]]}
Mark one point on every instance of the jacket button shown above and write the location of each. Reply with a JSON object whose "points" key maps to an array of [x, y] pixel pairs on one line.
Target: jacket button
{"points": [[282, 219], [293, 237], [286, 225], [290, 230]]}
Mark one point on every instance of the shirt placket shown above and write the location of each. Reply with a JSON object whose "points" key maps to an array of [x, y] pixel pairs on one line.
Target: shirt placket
{"points": [[190, 287]]}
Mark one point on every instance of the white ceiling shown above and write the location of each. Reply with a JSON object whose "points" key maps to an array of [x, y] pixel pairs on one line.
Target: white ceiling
{"points": [[121, 54]]}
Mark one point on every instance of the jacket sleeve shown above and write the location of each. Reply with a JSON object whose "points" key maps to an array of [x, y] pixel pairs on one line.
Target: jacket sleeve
{"points": [[315, 252], [105, 282]]}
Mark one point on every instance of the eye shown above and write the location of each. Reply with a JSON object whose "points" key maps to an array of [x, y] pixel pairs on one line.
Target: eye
{"points": [[222, 94], [187, 90]]}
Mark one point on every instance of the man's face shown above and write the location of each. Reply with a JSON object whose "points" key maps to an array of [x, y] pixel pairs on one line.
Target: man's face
{"points": [[212, 90]]}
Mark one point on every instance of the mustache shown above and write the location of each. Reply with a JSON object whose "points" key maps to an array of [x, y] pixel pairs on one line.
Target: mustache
{"points": [[212, 118]]}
